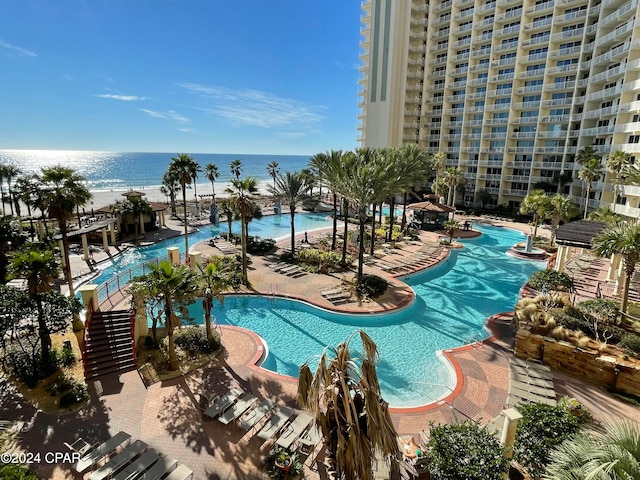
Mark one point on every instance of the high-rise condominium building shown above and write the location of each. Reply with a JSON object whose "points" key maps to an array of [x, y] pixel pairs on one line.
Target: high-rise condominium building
{"points": [[510, 90]]}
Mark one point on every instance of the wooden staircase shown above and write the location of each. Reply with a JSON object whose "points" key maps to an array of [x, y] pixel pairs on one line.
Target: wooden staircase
{"points": [[108, 345]]}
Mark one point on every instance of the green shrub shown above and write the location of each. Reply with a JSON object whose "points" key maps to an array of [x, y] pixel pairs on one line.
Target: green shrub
{"points": [[10, 471], [61, 385], [465, 450], [631, 343], [320, 259], [194, 340], [283, 455], [260, 246], [541, 428], [66, 356], [372, 286], [550, 279]]}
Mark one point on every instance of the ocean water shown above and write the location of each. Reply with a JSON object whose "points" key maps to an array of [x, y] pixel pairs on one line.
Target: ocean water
{"points": [[123, 170]]}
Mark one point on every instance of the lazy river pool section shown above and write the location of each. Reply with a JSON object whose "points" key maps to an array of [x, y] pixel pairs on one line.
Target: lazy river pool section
{"points": [[453, 300]]}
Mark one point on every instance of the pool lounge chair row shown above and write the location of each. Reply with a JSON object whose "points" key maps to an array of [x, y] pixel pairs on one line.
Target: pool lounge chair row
{"points": [[530, 382], [289, 270], [119, 459], [268, 419]]}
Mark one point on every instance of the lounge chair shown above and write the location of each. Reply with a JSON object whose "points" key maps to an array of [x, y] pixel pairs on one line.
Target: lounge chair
{"points": [[160, 468], [182, 472], [80, 446], [139, 466], [309, 440], [222, 403], [237, 409], [275, 423], [118, 462], [102, 451], [251, 418], [291, 432]]}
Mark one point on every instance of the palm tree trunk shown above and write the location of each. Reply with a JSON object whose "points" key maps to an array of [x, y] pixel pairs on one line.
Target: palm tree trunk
{"points": [[363, 220], [65, 253], [243, 243], [45, 339], [345, 204], [195, 194], [392, 211], [173, 359], [292, 211], [334, 234], [2, 196], [403, 225], [586, 200], [373, 230], [629, 270], [186, 223], [206, 304], [213, 192], [10, 195]]}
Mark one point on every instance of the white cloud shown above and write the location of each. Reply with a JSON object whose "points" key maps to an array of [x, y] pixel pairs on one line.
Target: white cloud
{"points": [[168, 115], [19, 50], [124, 98], [187, 130], [254, 107]]}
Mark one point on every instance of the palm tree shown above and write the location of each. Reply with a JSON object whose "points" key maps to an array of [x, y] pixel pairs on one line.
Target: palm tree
{"points": [[590, 172], [328, 166], [61, 191], [622, 239], [450, 227], [438, 161], [243, 192], [177, 287], [183, 168], [212, 173], [604, 214], [539, 205], [236, 168], [40, 269], [440, 187], [292, 190], [196, 170], [3, 175], [349, 410], [214, 279], [586, 154], [617, 163], [483, 196], [273, 170], [563, 209], [610, 452], [169, 187], [453, 176], [227, 208], [10, 172]]}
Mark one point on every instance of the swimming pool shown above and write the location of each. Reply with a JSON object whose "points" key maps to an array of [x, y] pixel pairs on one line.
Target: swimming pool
{"points": [[269, 226], [453, 300]]}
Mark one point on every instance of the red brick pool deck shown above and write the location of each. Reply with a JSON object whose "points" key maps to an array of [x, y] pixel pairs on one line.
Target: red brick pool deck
{"points": [[166, 416]]}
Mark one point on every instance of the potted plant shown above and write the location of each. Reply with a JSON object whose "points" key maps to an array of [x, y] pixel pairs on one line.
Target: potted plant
{"points": [[282, 463]]}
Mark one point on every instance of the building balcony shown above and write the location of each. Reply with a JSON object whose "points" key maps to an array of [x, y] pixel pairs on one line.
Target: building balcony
{"points": [[542, 7], [516, 178], [609, 56], [515, 193], [538, 25], [568, 34], [565, 52], [560, 86]]}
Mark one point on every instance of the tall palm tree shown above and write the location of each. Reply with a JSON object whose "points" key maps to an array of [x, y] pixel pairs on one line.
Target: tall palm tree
{"points": [[440, 188], [3, 175], [622, 239], [169, 187], [184, 168], [273, 169], [415, 168], [344, 397], [196, 170], [611, 452], [40, 269], [328, 165], [61, 191], [227, 208], [177, 286], [590, 172], [453, 177], [617, 164], [10, 172], [243, 193], [236, 168], [604, 214], [563, 209], [212, 174], [365, 178], [291, 189], [539, 205], [438, 161], [213, 279]]}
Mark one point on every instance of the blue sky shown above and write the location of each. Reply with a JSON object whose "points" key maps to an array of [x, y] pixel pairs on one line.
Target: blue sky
{"points": [[207, 76]]}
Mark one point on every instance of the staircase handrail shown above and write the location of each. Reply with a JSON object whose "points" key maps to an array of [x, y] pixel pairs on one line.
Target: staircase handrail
{"points": [[88, 315]]}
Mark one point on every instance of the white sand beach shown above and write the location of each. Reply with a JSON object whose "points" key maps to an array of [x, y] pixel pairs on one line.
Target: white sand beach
{"points": [[103, 198]]}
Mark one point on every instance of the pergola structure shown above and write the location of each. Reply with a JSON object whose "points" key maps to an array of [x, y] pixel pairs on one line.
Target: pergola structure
{"points": [[430, 215], [578, 234], [158, 210]]}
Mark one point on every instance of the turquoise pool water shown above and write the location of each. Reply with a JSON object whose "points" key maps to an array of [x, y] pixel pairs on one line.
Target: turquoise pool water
{"points": [[453, 301], [270, 226]]}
